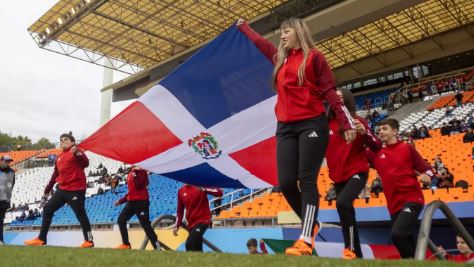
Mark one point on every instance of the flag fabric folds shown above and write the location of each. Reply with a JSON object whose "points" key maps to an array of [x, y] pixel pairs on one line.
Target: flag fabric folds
{"points": [[210, 122]]}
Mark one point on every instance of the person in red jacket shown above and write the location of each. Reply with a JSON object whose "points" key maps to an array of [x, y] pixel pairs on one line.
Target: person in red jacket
{"points": [[465, 253], [252, 246], [398, 164], [71, 179], [302, 80], [198, 214], [138, 203], [349, 169]]}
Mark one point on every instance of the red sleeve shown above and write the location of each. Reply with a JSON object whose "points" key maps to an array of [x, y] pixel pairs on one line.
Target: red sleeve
{"points": [[141, 179], [82, 158], [370, 140], [179, 212], [213, 191], [370, 156], [263, 248], [327, 85], [52, 181], [123, 199], [419, 164], [265, 46]]}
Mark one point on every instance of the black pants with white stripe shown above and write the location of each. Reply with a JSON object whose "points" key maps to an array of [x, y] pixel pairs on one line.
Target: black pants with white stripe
{"points": [[76, 200], [194, 241], [404, 229], [142, 210], [301, 147], [346, 193]]}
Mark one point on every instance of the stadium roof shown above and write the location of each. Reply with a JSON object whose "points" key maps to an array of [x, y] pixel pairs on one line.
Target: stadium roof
{"points": [[423, 21], [138, 33]]}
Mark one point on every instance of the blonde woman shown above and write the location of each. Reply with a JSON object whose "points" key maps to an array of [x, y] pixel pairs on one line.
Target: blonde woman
{"points": [[302, 80]]}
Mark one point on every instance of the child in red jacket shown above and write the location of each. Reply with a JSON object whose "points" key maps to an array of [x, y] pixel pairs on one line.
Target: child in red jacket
{"points": [[138, 203], [71, 179], [398, 163], [198, 214]]}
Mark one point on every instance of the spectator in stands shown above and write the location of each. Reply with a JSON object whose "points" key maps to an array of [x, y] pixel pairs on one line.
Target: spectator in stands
{"points": [[70, 176], [438, 164], [36, 213], [194, 200], [470, 120], [138, 204], [114, 183], [444, 179], [22, 217], [465, 253], [456, 126], [397, 164], [414, 133], [7, 181], [459, 96], [376, 187], [410, 96], [469, 136], [446, 129], [423, 132], [330, 194], [30, 216], [252, 247]]}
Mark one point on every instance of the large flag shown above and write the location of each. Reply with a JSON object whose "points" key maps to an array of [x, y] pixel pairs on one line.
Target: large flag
{"points": [[210, 122]]}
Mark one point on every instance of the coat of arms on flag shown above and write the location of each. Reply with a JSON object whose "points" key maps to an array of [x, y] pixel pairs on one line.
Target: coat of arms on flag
{"points": [[206, 145]]}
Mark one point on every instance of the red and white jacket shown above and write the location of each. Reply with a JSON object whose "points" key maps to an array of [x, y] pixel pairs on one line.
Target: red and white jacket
{"points": [[298, 102], [69, 172], [343, 159], [137, 181], [194, 200]]}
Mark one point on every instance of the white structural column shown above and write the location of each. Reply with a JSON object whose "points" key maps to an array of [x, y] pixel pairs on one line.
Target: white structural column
{"points": [[106, 96]]}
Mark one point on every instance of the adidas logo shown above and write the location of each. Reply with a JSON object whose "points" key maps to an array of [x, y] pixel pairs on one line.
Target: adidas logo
{"points": [[331, 132], [407, 210], [382, 156], [74, 198], [142, 213], [356, 176], [198, 230], [313, 135]]}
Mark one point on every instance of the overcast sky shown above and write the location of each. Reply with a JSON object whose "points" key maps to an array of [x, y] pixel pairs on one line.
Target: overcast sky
{"points": [[43, 94]]}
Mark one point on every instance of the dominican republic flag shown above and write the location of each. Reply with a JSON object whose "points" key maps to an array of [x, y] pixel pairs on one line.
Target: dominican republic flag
{"points": [[210, 122]]}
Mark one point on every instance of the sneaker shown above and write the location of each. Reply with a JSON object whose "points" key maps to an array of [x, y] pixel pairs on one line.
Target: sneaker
{"points": [[34, 242], [124, 246], [1, 243], [87, 244], [299, 248], [348, 254]]}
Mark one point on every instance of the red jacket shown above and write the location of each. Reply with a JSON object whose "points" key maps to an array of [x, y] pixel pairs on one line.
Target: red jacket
{"points": [[194, 200], [459, 257], [396, 164], [137, 181], [69, 172], [345, 160], [298, 102]]}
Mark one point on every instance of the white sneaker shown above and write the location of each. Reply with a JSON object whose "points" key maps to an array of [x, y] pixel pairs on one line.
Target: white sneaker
{"points": [[1, 243]]}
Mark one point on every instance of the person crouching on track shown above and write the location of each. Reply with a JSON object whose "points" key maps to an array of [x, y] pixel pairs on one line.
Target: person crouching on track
{"points": [[70, 176], [138, 203], [198, 214], [349, 170]]}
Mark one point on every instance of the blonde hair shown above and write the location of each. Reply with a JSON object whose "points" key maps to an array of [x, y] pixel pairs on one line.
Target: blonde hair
{"points": [[306, 43]]}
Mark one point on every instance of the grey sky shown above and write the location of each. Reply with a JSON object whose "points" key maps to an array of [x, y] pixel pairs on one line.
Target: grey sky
{"points": [[43, 94]]}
